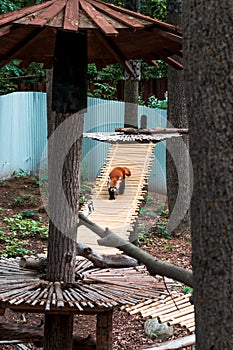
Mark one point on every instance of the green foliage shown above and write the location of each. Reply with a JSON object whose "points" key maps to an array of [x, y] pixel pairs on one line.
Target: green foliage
{"points": [[104, 91], [43, 180], [12, 245], [26, 227], [153, 102], [143, 236], [111, 72], [159, 71], [187, 290], [11, 75], [7, 5], [24, 200], [161, 228], [164, 213], [20, 173], [169, 247], [154, 8]]}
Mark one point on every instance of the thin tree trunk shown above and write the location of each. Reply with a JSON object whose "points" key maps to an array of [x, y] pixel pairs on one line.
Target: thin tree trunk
{"points": [[154, 265], [131, 84], [179, 222], [208, 52]]}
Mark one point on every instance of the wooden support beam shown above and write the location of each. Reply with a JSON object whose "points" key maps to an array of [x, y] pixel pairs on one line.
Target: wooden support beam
{"points": [[21, 45], [104, 330], [114, 51]]}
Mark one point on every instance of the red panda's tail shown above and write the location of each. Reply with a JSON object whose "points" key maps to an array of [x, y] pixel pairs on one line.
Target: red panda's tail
{"points": [[127, 171]]}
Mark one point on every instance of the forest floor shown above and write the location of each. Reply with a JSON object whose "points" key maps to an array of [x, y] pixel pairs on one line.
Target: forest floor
{"points": [[23, 231]]}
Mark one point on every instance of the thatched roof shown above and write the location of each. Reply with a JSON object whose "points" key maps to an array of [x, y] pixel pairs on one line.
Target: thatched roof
{"points": [[114, 33]]}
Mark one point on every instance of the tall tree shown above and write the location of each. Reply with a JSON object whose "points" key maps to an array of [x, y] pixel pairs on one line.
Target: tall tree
{"points": [[177, 117], [208, 52], [65, 154], [131, 87]]}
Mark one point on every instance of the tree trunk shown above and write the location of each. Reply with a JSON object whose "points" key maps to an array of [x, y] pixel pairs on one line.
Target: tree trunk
{"points": [[131, 85], [179, 222], [65, 153], [208, 52]]}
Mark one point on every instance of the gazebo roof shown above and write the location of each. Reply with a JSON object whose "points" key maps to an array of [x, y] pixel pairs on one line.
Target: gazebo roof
{"points": [[114, 34]]}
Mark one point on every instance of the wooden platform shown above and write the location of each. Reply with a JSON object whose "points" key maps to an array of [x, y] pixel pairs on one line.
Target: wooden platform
{"points": [[175, 310], [119, 215]]}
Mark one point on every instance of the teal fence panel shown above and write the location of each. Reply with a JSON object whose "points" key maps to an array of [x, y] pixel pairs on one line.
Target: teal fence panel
{"points": [[23, 135], [23, 132]]}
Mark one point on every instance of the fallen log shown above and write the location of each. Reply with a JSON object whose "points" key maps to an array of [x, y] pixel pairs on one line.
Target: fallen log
{"points": [[104, 261], [33, 264], [152, 131], [34, 334], [175, 344], [154, 265]]}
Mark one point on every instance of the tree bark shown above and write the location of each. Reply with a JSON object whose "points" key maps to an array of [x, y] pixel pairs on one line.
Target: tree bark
{"points": [[208, 52], [179, 223], [131, 84], [69, 91]]}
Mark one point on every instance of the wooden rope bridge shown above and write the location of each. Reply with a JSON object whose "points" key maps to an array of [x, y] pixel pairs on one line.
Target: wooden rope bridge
{"points": [[119, 215]]}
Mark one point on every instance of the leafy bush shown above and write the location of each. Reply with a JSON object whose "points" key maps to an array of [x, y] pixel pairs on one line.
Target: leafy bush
{"points": [[26, 227], [12, 245]]}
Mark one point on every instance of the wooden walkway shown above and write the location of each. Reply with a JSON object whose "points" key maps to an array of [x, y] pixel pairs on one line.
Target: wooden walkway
{"points": [[119, 215]]}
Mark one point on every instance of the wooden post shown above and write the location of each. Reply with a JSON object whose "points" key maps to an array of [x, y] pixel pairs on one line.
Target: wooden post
{"points": [[69, 96], [104, 330]]}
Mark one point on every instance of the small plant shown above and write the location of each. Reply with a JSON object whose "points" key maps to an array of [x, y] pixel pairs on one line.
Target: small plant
{"points": [[17, 200], [12, 245], [143, 235], [20, 173], [26, 227], [104, 91], [169, 247], [164, 213], [153, 102], [187, 290], [162, 229], [39, 181], [25, 199]]}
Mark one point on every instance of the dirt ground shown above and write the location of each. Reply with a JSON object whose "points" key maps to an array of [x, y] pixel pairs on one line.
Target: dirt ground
{"points": [[21, 195]]}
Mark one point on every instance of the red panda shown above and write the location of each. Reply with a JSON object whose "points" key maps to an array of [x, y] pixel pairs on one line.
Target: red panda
{"points": [[116, 180]]}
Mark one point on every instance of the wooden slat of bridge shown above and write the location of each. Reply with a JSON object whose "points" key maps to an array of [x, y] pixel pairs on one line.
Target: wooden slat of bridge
{"points": [[119, 215]]}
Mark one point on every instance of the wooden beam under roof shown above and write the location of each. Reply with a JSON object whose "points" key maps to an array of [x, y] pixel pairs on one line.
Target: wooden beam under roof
{"points": [[97, 18], [169, 60], [114, 51], [45, 16], [5, 30], [115, 14], [71, 20], [20, 46]]}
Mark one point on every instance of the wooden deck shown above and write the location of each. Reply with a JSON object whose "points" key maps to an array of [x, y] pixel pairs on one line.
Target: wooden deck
{"points": [[119, 215]]}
